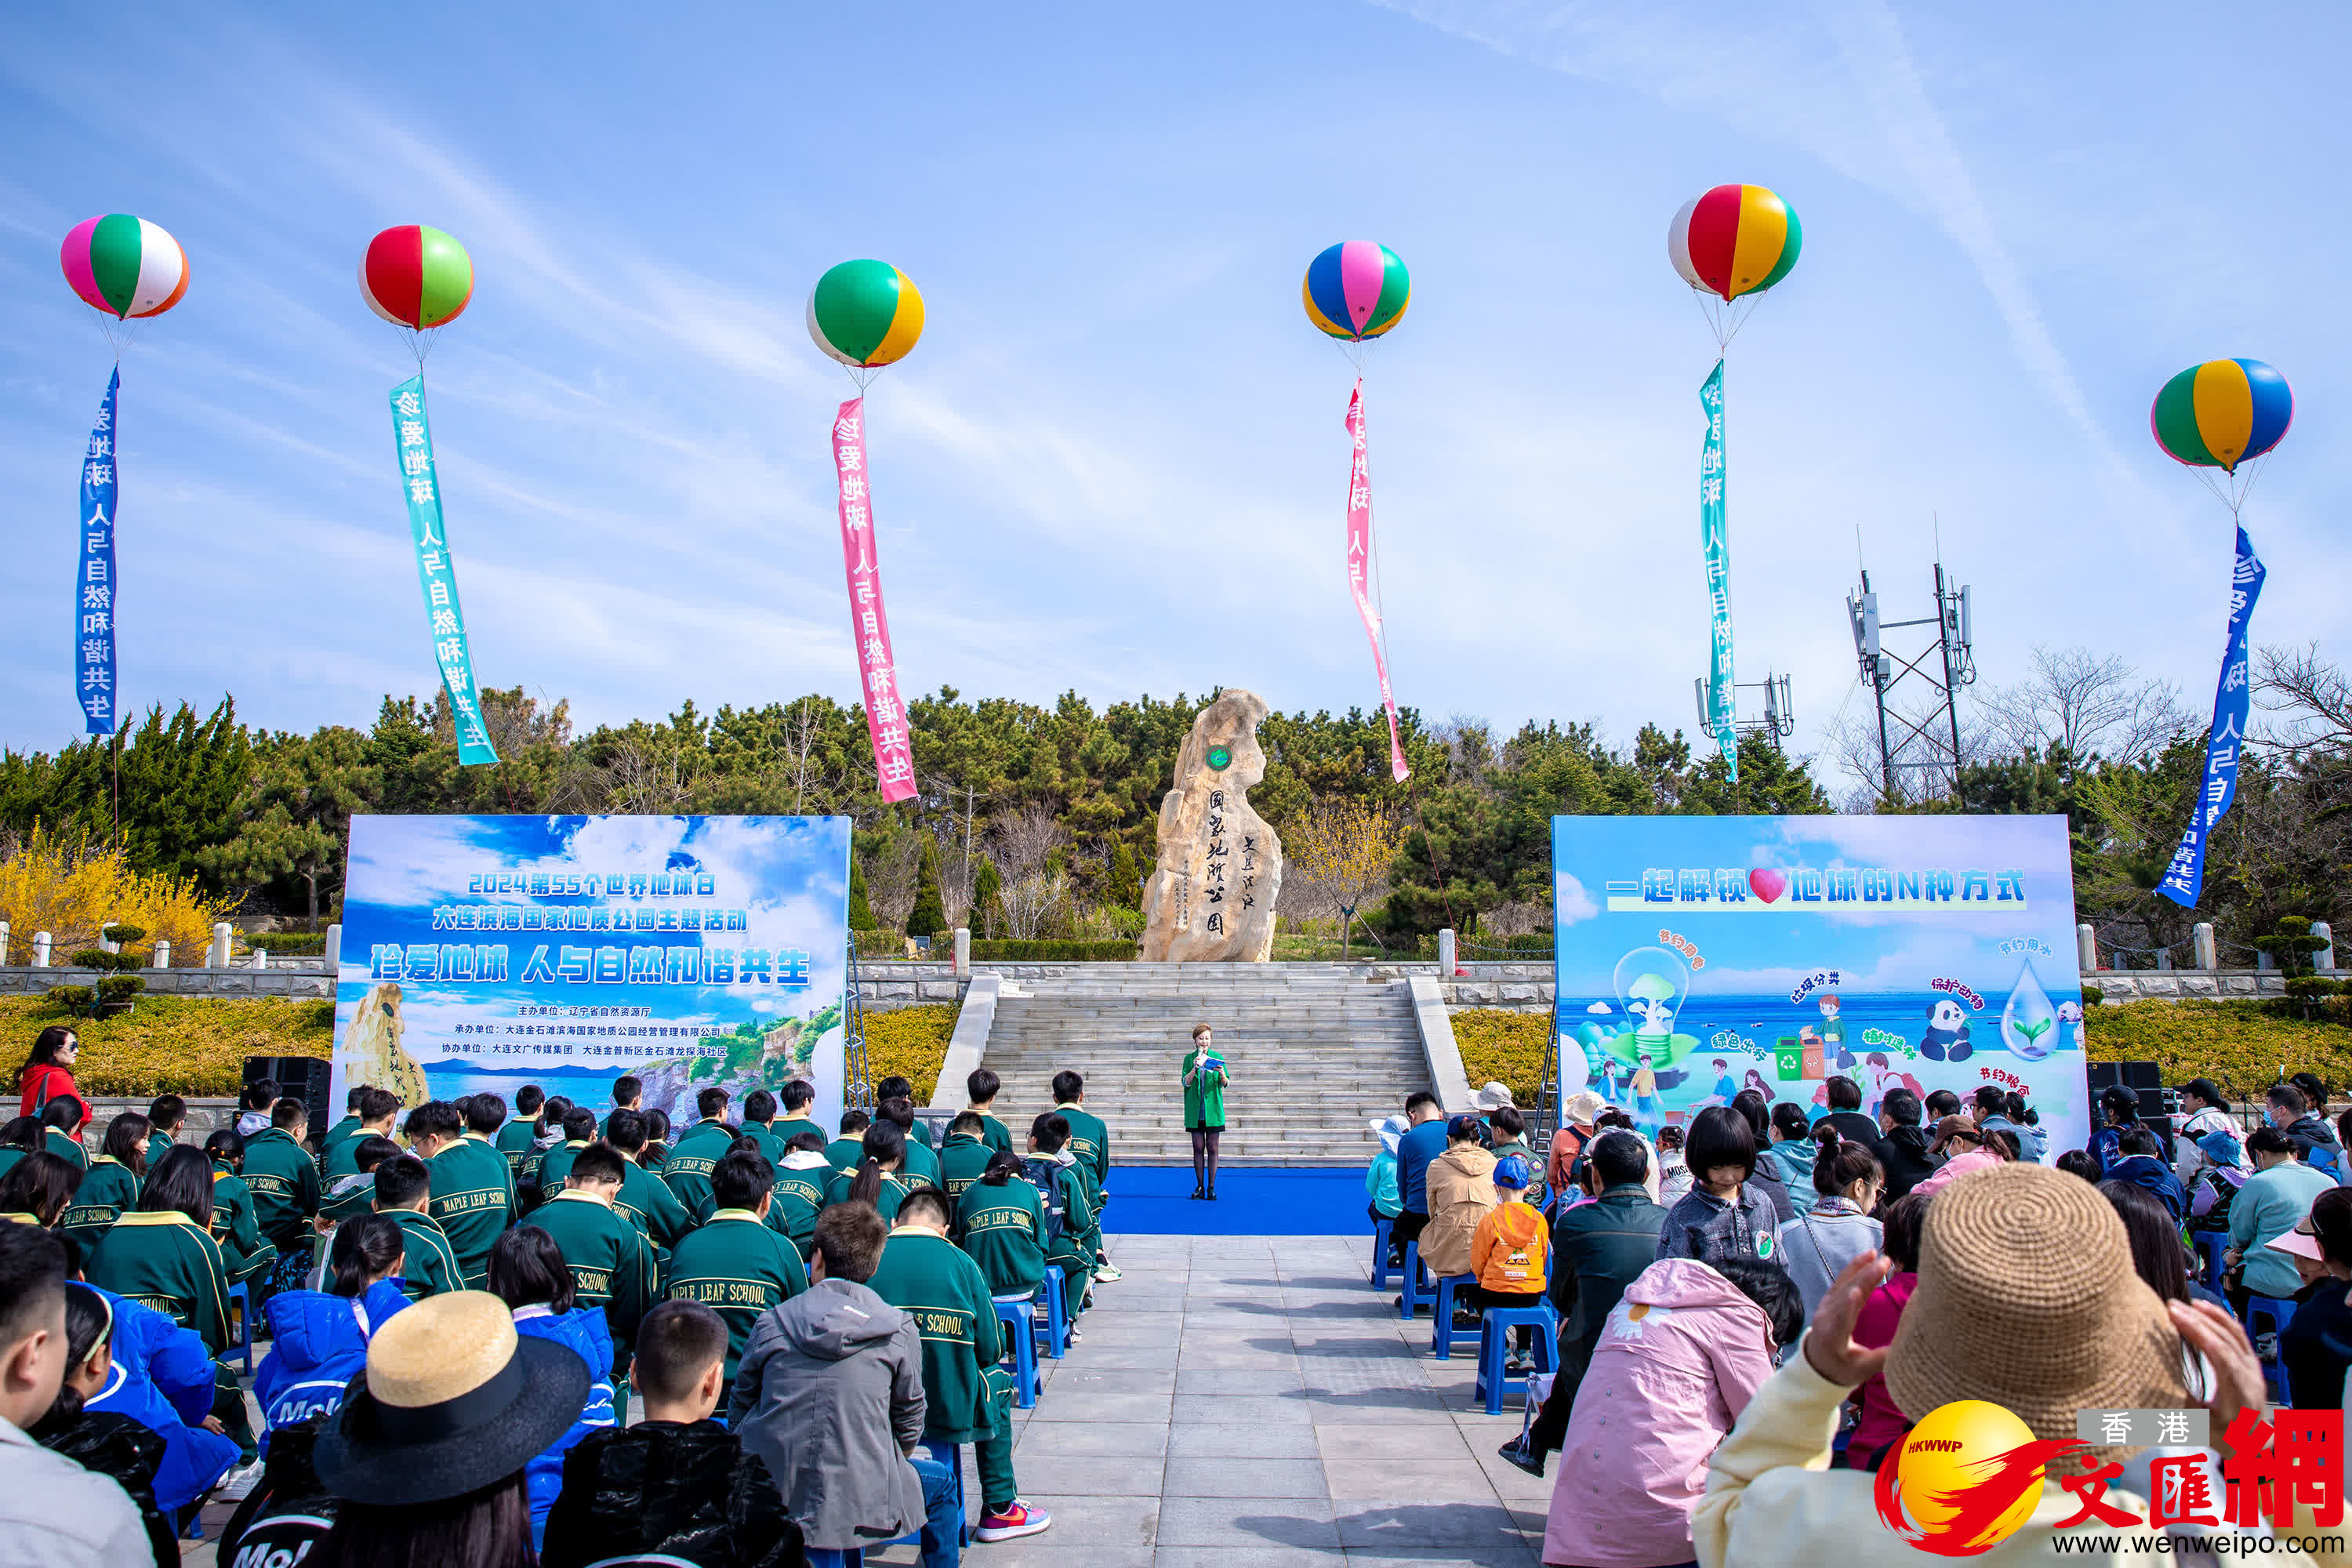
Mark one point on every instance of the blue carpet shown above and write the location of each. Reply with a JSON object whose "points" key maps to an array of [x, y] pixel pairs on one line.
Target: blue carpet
{"points": [[1156, 1200]]}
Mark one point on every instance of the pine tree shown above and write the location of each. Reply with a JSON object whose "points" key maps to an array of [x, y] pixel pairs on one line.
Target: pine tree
{"points": [[930, 915], [861, 913], [986, 888]]}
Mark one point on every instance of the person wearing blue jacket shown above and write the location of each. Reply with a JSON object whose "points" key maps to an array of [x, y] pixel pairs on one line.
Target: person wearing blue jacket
{"points": [[2139, 1161], [319, 1339], [163, 1379], [527, 1273], [1423, 1141]]}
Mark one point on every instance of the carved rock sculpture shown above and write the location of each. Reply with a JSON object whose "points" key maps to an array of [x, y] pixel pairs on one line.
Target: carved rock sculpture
{"points": [[371, 1053], [1212, 898]]}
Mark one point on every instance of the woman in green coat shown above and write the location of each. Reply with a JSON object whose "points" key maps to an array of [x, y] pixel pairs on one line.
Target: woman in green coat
{"points": [[1204, 1111]]}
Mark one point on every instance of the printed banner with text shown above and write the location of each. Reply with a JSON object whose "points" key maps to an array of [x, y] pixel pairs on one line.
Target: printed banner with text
{"points": [[487, 952], [436, 572], [94, 579], [1923, 953], [1715, 542], [2184, 880], [869, 623], [1359, 555]]}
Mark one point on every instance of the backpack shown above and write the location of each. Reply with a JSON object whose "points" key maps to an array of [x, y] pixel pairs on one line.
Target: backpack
{"points": [[1044, 1173], [2210, 1197]]}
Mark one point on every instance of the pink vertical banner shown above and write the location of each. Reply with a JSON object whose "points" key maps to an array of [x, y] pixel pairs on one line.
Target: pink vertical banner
{"points": [[869, 624], [1360, 553]]}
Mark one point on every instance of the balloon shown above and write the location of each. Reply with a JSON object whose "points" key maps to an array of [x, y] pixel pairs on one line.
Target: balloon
{"points": [[866, 314], [124, 266], [2219, 414], [1356, 289], [1735, 240], [416, 277]]}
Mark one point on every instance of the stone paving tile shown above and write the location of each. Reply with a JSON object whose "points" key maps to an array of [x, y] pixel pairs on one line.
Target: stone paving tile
{"points": [[1108, 1439], [1388, 1441], [1420, 1525], [1248, 1522], [1232, 1410], [1259, 1557], [1240, 1477], [1258, 1442], [1430, 1480], [1076, 1406]]}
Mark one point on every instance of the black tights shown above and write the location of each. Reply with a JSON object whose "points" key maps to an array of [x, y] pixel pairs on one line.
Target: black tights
{"points": [[1204, 1148]]}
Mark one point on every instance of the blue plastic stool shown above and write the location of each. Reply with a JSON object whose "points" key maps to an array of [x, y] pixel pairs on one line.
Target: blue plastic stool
{"points": [[2210, 1246], [1440, 1322], [1380, 1228], [2280, 1313], [1495, 1344], [1412, 1297], [240, 1296], [1020, 1319], [1057, 1312]]}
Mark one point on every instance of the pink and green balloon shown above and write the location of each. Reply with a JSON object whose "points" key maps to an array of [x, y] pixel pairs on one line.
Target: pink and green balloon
{"points": [[124, 266], [1356, 291]]}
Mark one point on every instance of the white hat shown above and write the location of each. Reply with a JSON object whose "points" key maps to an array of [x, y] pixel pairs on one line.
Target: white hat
{"points": [[1494, 1097], [1387, 1130]]}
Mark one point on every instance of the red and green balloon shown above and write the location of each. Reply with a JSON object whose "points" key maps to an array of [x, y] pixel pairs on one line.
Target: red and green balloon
{"points": [[417, 276], [1735, 240], [124, 266]]}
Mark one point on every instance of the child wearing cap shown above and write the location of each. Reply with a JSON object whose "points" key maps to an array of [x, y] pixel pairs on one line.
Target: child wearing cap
{"points": [[1510, 1252]]}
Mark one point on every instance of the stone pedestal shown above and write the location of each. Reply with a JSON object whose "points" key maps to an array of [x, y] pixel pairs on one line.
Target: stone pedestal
{"points": [[1210, 898]]}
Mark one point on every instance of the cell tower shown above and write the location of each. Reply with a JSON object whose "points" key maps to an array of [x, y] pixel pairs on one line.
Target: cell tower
{"points": [[1924, 745], [1779, 720]]}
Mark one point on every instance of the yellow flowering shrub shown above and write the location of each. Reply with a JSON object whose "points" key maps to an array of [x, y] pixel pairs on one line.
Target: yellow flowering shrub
{"points": [[910, 1043], [2242, 1046], [71, 886], [191, 1046], [1502, 1046]]}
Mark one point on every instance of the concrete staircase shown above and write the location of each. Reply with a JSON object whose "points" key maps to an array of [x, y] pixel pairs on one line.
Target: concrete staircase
{"points": [[1315, 1051]]}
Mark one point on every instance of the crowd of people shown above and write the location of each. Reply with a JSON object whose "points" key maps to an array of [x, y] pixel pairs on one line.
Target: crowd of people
{"points": [[461, 1308], [1909, 1253]]}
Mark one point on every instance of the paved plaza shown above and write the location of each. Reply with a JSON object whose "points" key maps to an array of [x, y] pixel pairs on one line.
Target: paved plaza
{"points": [[1249, 1401]]}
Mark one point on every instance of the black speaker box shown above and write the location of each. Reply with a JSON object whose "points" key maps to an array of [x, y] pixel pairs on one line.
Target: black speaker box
{"points": [[304, 1078], [2102, 1075], [2142, 1075]]}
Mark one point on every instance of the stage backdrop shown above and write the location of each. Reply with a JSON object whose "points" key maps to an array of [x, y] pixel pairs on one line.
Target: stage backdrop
{"points": [[486, 953], [1697, 956]]}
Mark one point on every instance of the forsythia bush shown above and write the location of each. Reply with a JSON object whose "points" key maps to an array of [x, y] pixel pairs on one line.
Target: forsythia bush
{"points": [[1505, 1048], [912, 1043], [71, 886], [190, 1046], [2242, 1046]]}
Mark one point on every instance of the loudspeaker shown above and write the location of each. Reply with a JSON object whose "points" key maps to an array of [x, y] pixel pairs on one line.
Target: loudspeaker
{"points": [[2162, 1127], [304, 1078], [2142, 1075], [2102, 1075], [2156, 1102]]}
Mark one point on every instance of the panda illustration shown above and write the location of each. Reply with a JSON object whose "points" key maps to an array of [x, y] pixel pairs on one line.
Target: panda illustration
{"points": [[1947, 1039]]}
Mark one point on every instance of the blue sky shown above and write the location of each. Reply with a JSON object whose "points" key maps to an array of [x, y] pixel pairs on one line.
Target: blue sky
{"points": [[1116, 460]]}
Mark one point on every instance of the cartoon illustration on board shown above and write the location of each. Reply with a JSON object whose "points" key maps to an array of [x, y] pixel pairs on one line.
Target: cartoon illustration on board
{"points": [[1947, 1039]]}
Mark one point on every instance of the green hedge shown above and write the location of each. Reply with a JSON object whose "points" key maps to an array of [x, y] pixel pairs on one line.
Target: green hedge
{"points": [[1116, 950], [284, 943]]}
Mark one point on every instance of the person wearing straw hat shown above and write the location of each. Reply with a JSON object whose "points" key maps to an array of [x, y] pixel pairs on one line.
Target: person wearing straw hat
{"points": [[427, 1452], [2028, 1298]]}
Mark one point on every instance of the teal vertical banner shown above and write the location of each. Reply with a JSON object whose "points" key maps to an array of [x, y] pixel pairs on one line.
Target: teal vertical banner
{"points": [[412, 434], [1715, 542]]}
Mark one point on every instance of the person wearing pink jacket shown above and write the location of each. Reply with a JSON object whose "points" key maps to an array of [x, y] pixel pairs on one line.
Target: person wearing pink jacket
{"points": [[1678, 1360]]}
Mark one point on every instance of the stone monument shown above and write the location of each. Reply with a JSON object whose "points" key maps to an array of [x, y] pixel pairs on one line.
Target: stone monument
{"points": [[1211, 898]]}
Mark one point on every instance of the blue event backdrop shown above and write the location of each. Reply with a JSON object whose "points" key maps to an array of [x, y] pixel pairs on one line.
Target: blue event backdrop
{"points": [[1696, 956], [486, 953]]}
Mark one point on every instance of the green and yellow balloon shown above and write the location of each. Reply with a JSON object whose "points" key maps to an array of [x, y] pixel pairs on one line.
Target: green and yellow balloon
{"points": [[866, 314]]}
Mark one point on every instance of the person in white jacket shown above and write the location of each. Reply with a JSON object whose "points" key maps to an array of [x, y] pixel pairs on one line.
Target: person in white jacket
{"points": [[52, 1511], [1983, 1324], [2205, 1111]]}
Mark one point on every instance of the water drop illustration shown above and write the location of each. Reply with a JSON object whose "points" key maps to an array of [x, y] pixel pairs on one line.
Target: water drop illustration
{"points": [[2029, 1024]]}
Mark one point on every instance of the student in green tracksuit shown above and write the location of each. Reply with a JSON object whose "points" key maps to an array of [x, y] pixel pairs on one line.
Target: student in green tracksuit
{"points": [[242, 1250], [843, 1152], [696, 1152], [515, 1139], [1080, 1235], [111, 1186], [554, 1162], [1090, 1141], [922, 1165], [403, 1191], [546, 1133], [897, 1087], [628, 1094], [612, 1262], [473, 1197], [655, 1154], [379, 1111], [760, 1122], [283, 1179], [965, 1154], [346, 1197], [643, 1198], [349, 1127], [735, 1265], [968, 1393], [166, 1115], [799, 1099], [983, 1086], [876, 1179], [798, 1193], [1003, 1225], [160, 1253], [62, 1129]]}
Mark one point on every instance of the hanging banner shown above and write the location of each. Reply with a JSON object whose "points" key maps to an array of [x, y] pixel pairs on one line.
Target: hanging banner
{"points": [[1714, 541], [436, 572], [869, 623], [1359, 555], [94, 581], [2184, 880]]}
